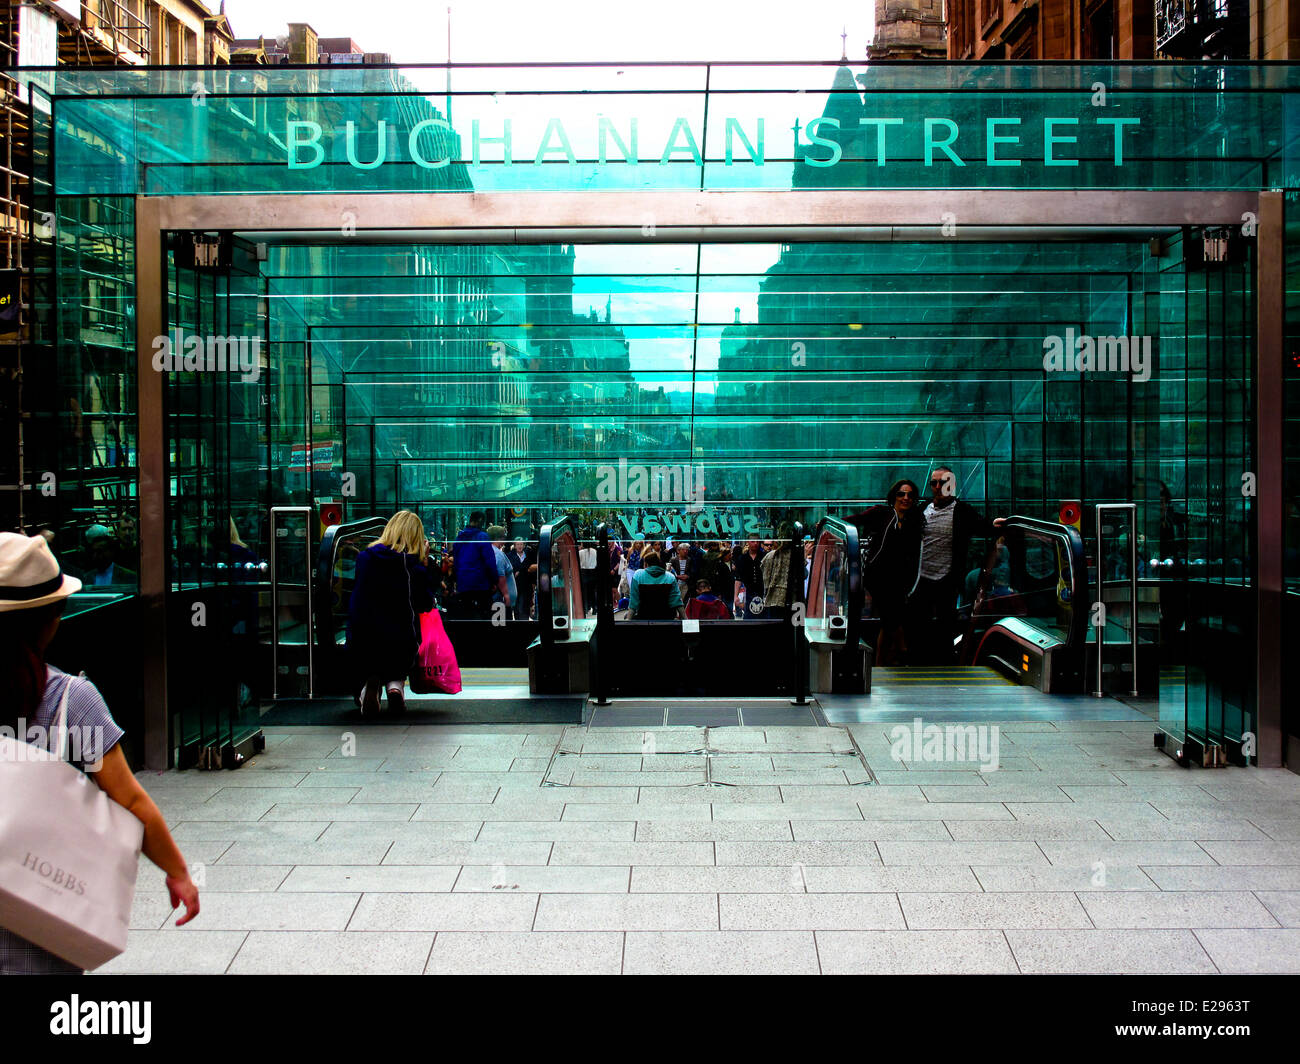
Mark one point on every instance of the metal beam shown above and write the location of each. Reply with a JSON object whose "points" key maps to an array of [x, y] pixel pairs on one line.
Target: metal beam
{"points": [[151, 460], [763, 234], [1269, 522], [652, 212]]}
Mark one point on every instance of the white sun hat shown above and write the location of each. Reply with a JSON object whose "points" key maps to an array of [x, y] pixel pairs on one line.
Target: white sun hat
{"points": [[29, 573]]}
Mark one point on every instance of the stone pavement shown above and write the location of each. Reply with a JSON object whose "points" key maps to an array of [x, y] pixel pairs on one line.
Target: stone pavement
{"points": [[546, 849]]}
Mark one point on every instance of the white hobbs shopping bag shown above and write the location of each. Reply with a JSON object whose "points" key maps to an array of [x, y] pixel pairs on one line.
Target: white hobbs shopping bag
{"points": [[68, 854]]}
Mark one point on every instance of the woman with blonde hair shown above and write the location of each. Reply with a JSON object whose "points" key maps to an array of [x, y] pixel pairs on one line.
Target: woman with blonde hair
{"points": [[392, 586]]}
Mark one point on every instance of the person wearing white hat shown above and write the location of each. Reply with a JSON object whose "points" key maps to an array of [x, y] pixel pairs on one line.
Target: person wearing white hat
{"points": [[33, 591]]}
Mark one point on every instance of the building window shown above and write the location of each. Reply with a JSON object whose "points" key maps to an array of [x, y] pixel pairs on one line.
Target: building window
{"points": [[1099, 30]]}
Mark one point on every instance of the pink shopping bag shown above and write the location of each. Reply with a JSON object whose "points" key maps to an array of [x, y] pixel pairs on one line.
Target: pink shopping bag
{"points": [[435, 670]]}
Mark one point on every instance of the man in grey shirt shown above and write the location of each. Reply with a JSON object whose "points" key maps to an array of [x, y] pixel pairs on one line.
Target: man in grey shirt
{"points": [[950, 524]]}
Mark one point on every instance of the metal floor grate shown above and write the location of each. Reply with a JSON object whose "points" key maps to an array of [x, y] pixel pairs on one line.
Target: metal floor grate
{"points": [[678, 757]]}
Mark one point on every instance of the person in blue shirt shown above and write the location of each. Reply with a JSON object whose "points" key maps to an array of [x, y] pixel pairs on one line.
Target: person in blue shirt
{"points": [[475, 564], [506, 592]]}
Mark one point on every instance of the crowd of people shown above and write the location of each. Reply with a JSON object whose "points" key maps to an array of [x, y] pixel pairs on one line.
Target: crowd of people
{"points": [[915, 554]]}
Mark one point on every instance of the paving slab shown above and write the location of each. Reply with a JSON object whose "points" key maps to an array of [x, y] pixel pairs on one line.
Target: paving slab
{"points": [[682, 811], [1283, 906], [627, 912], [432, 852], [1076, 854], [309, 812], [1285, 829], [544, 879], [993, 911], [846, 809], [633, 853], [875, 879], [1253, 952], [1218, 877], [857, 852], [560, 830], [165, 953], [1253, 853], [833, 830], [445, 912], [1001, 830], [1094, 877], [150, 910], [915, 953], [925, 810], [370, 878], [273, 911], [1182, 908], [1102, 952], [719, 879], [481, 812], [338, 953], [526, 953], [893, 852], [337, 851], [1041, 792], [186, 832], [394, 831], [720, 953], [713, 830], [809, 912]]}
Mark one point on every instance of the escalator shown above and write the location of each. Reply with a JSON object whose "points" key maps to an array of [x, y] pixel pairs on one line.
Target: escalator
{"points": [[1023, 615], [759, 657], [1028, 614]]}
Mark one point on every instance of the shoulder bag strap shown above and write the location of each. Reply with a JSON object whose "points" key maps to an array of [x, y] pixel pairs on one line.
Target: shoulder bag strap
{"points": [[61, 722]]}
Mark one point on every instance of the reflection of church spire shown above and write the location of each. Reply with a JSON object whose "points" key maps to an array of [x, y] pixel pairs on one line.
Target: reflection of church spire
{"points": [[844, 45], [845, 106], [609, 303]]}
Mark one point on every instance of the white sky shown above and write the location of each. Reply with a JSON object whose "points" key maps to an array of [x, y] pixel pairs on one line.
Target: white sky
{"points": [[515, 31]]}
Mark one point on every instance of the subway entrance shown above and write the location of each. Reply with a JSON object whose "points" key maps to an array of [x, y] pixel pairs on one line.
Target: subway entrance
{"points": [[267, 337], [584, 404]]}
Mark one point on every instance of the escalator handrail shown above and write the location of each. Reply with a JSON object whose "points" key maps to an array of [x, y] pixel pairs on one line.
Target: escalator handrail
{"points": [[604, 617], [326, 559], [1068, 536], [546, 539], [847, 532]]}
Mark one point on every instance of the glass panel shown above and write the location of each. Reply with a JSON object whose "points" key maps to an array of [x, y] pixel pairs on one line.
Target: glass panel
{"points": [[724, 126]]}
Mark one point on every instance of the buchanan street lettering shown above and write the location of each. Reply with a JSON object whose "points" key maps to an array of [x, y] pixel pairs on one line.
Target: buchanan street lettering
{"points": [[1001, 141]]}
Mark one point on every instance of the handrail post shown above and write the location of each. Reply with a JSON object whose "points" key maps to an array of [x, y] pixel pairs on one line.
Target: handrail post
{"points": [[275, 600], [793, 596], [604, 617], [1100, 691]]}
